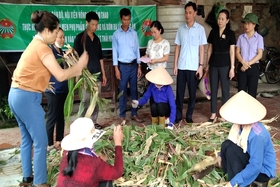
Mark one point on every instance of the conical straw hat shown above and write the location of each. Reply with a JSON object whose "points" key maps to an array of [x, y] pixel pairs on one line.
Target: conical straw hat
{"points": [[242, 108], [82, 135], [159, 76]]}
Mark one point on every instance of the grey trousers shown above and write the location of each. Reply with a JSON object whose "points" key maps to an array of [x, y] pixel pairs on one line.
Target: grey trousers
{"points": [[86, 101], [216, 75]]}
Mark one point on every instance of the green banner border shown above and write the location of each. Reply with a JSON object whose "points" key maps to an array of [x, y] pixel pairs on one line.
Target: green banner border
{"points": [[16, 29]]}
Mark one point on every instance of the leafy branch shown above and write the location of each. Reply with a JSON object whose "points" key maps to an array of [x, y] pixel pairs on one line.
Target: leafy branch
{"points": [[86, 82]]}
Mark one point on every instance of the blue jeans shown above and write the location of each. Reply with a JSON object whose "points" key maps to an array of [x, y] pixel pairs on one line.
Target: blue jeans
{"points": [[128, 74], [30, 116]]}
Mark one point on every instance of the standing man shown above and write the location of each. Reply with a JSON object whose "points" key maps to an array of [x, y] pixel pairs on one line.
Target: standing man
{"points": [[89, 41], [127, 68], [188, 60]]}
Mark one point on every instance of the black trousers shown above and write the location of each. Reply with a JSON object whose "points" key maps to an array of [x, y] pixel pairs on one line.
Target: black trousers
{"points": [[216, 75], [160, 109], [234, 161], [185, 77], [55, 115], [248, 80]]}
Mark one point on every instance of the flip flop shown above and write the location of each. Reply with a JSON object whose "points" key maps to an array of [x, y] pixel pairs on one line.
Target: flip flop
{"points": [[97, 126]]}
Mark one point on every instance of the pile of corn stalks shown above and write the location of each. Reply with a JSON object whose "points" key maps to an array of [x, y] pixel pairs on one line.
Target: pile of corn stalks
{"points": [[158, 157], [86, 82]]}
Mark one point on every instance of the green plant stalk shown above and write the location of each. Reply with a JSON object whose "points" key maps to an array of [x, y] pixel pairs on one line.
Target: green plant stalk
{"points": [[86, 82], [157, 163]]}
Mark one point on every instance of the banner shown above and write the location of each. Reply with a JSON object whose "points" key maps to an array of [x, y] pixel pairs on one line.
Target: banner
{"points": [[17, 29]]}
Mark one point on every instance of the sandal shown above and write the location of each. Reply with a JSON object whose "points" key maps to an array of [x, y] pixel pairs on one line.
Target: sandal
{"points": [[97, 126], [26, 181], [57, 145]]}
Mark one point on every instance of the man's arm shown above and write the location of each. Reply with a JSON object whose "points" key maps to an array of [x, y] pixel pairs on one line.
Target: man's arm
{"points": [[139, 71], [78, 45], [201, 61], [115, 56], [104, 78], [114, 49], [176, 56]]}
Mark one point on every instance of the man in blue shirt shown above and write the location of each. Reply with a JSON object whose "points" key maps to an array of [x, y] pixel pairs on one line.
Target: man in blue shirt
{"points": [[188, 60], [248, 155], [127, 68]]}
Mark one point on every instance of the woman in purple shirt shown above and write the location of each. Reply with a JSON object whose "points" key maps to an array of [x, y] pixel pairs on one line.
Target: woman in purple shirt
{"points": [[249, 50]]}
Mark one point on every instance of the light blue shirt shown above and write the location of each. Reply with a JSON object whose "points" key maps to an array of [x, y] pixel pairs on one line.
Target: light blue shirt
{"points": [[262, 157], [190, 39], [125, 46], [249, 47]]}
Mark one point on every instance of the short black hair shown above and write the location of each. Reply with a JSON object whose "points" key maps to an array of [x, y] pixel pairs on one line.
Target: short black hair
{"points": [[192, 4], [91, 16], [125, 12]]}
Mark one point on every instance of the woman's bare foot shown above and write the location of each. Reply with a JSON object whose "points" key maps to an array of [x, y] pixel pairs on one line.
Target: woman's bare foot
{"points": [[219, 162], [57, 145], [222, 119]]}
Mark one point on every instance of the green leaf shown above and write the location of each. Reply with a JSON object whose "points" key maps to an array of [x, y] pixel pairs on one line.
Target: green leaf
{"points": [[2, 162], [127, 133]]}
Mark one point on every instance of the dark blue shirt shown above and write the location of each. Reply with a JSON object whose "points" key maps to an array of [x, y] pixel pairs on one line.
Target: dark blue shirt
{"points": [[59, 87], [162, 95]]}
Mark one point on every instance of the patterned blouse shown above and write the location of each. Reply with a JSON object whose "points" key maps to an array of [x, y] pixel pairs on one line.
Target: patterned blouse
{"points": [[157, 51]]}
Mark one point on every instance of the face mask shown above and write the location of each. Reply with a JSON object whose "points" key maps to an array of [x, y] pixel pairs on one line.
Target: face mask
{"points": [[57, 45]]}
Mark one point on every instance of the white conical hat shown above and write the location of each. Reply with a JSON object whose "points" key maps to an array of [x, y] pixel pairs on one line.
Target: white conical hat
{"points": [[243, 109], [159, 76], [82, 135]]}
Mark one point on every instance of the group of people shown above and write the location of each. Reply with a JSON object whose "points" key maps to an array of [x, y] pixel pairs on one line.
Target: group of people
{"points": [[189, 66], [38, 66]]}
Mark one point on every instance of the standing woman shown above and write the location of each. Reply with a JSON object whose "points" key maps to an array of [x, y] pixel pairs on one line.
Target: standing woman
{"points": [[30, 79], [158, 49], [56, 99], [249, 50], [220, 60]]}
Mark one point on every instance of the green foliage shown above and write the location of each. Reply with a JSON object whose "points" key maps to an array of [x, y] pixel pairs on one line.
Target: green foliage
{"points": [[5, 111], [156, 156], [86, 82]]}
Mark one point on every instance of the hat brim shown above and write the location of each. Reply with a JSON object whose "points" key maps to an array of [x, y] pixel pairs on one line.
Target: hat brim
{"points": [[159, 76], [244, 20], [70, 143], [243, 109]]}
